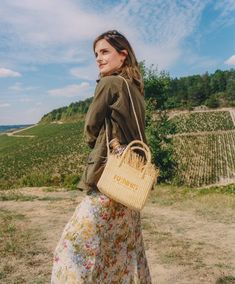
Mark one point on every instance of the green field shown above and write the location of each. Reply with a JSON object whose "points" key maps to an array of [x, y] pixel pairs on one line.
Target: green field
{"points": [[54, 156]]}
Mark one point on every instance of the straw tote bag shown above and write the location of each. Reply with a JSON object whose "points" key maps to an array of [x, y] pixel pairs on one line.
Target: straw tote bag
{"points": [[129, 177]]}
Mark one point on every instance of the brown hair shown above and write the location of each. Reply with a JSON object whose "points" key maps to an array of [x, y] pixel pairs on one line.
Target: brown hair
{"points": [[130, 68]]}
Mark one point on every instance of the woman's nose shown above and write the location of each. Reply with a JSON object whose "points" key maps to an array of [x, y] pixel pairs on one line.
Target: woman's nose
{"points": [[98, 58]]}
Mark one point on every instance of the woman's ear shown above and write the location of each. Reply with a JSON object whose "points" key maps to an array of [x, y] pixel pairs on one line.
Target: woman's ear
{"points": [[124, 52]]}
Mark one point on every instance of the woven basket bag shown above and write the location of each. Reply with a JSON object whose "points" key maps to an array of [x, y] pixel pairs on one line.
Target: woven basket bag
{"points": [[129, 177]]}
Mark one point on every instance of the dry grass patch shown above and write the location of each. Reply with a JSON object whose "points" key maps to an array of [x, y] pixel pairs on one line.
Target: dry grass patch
{"points": [[216, 203], [31, 222], [20, 248], [192, 234]]}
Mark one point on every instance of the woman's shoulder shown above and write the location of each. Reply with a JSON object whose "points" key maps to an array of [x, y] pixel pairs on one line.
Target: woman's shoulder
{"points": [[109, 85], [111, 80]]}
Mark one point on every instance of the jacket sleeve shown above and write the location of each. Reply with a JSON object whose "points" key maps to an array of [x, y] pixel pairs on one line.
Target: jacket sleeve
{"points": [[105, 95]]}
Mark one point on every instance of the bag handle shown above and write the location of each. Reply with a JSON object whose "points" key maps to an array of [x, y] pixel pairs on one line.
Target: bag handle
{"points": [[136, 119], [144, 148]]}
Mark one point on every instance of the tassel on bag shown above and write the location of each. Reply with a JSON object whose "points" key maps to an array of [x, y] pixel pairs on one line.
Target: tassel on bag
{"points": [[128, 177]]}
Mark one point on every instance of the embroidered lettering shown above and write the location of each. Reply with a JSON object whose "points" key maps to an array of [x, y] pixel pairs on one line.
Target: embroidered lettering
{"points": [[125, 182]]}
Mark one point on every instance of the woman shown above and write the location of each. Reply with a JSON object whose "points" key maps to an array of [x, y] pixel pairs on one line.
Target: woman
{"points": [[102, 242]]}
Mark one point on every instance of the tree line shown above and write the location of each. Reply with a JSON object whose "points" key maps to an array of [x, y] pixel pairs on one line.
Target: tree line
{"points": [[212, 90], [68, 112]]}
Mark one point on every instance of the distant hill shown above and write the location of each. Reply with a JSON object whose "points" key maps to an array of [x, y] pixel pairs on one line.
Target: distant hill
{"points": [[71, 113]]}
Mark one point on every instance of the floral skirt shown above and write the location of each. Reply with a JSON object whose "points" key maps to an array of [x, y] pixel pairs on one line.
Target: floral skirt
{"points": [[102, 243]]}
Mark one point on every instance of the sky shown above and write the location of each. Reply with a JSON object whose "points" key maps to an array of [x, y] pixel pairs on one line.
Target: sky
{"points": [[46, 56]]}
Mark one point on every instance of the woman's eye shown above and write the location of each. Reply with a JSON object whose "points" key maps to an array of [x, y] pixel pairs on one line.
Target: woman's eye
{"points": [[101, 52]]}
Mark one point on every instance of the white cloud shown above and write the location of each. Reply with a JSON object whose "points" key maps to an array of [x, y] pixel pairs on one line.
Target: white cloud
{"points": [[48, 22], [33, 110], [4, 105], [197, 62], [162, 27], [43, 31], [226, 10], [4, 72], [62, 31], [230, 60], [71, 90], [161, 56], [25, 100], [19, 87], [89, 72]]}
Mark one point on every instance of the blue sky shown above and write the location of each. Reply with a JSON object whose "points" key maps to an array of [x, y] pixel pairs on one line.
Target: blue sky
{"points": [[46, 57]]}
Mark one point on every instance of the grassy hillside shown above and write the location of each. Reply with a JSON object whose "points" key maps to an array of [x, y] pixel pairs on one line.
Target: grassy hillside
{"points": [[54, 156], [72, 113]]}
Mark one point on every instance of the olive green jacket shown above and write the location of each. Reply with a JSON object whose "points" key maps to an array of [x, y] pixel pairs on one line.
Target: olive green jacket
{"points": [[111, 101]]}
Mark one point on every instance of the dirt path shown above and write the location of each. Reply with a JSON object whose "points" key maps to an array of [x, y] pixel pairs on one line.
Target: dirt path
{"points": [[182, 246], [14, 133], [202, 133]]}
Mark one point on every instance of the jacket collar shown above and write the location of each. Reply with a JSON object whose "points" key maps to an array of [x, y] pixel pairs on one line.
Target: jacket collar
{"points": [[113, 74]]}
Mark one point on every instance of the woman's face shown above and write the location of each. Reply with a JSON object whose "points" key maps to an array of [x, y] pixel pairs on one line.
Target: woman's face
{"points": [[107, 57]]}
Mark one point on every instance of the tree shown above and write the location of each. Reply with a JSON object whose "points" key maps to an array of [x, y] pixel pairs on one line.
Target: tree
{"points": [[158, 128], [218, 82], [156, 85], [212, 102], [231, 88]]}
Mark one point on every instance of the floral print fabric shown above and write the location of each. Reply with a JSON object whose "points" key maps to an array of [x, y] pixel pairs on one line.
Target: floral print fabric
{"points": [[102, 243]]}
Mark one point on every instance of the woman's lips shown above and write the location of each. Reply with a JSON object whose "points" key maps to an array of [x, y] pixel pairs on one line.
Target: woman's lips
{"points": [[101, 65]]}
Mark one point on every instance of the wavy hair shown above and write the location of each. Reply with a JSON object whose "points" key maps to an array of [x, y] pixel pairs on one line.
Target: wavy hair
{"points": [[130, 68]]}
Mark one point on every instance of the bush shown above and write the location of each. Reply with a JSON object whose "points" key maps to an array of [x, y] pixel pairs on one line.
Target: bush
{"points": [[212, 102], [33, 179], [71, 181], [160, 142]]}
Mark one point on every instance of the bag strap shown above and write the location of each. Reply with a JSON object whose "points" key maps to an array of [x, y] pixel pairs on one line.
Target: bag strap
{"points": [[136, 119]]}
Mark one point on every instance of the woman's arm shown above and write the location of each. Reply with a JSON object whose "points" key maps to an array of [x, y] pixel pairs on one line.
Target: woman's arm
{"points": [[105, 95]]}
